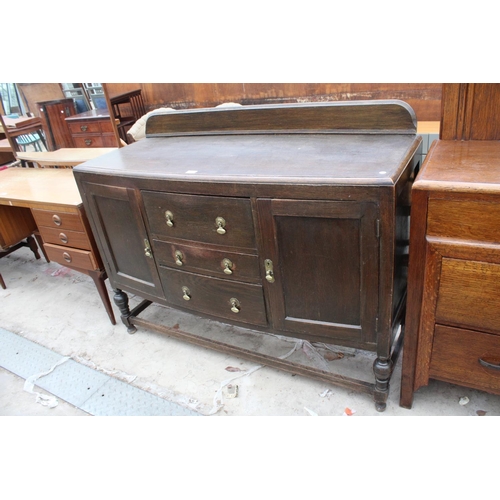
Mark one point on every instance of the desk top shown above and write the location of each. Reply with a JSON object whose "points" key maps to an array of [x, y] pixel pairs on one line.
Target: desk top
{"points": [[38, 188], [22, 121], [64, 157]]}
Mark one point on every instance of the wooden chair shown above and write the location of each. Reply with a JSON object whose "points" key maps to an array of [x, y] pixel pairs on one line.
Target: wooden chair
{"points": [[134, 104]]}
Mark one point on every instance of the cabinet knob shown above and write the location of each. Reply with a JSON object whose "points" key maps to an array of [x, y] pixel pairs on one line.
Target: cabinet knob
{"points": [[228, 266], [235, 305], [56, 220], [169, 218], [67, 257], [178, 257], [221, 224], [63, 237], [186, 293]]}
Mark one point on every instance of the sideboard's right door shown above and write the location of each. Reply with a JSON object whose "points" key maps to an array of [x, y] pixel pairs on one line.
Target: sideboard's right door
{"points": [[325, 266]]}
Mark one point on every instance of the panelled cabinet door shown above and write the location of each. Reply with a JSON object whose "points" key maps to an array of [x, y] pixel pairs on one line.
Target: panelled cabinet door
{"points": [[320, 261], [122, 238]]}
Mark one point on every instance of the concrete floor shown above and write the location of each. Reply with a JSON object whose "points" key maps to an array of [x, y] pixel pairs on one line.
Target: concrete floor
{"points": [[55, 312]]}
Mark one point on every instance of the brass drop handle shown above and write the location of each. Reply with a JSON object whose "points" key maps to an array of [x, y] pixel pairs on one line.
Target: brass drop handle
{"points": [[268, 265], [83, 128], [63, 237], [56, 220], [178, 257], [169, 218], [228, 266], [67, 257], [235, 305], [221, 224], [186, 293], [88, 142], [147, 249]]}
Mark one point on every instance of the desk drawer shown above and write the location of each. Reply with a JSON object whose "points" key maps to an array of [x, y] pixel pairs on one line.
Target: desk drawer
{"points": [[456, 356], [67, 238], [61, 220], [71, 257], [89, 141], [199, 259], [464, 219], [213, 296], [196, 218], [87, 127]]}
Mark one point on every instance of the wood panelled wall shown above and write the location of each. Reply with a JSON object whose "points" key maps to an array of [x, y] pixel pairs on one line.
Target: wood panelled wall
{"points": [[424, 98], [471, 111]]}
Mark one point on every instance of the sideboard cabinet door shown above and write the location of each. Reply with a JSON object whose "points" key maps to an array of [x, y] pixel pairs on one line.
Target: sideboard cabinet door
{"points": [[325, 260], [115, 216]]}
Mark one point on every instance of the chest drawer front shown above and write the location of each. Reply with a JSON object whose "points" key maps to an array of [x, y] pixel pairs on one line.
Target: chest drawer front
{"points": [[61, 220], [209, 219], [80, 259], [469, 295], [457, 356], [87, 127], [464, 219], [198, 259], [90, 141], [214, 296], [67, 238]]}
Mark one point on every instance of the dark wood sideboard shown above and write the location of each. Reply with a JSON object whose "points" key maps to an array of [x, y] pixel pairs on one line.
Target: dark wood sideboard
{"points": [[290, 219]]}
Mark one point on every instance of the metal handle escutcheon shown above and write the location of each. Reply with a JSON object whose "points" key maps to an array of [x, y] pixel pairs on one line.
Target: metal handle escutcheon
{"points": [[83, 128], [178, 257], [228, 266], [67, 257], [268, 264], [221, 224], [147, 249], [235, 305], [169, 218], [186, 293], [56, 220], [63, 237], [88, 142]]}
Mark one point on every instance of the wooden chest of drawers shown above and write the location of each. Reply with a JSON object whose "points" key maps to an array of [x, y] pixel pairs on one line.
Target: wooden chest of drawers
{"points": [[453, 325], [92, 129], [289, 219]]}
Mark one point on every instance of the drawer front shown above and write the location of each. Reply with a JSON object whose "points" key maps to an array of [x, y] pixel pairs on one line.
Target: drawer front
{"points": [[464, 219], [61, 220], [469, 295], [213, 296], [106, 126], [456, 356], [87, 127], [71, 257], [209, 219], [198, 259], [67, 238], [91, 141]]}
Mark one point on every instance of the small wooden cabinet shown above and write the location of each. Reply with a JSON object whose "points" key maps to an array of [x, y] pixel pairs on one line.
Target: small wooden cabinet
{"points": [[453, 325], [290, 219], [53, 115], [92, 129]]}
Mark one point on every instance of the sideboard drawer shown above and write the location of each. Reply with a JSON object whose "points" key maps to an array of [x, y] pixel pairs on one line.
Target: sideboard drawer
{"points": [[84, 127], [68, 238], [209, 219], [61, 220], [89, 141], [465, 288], [464, 220], [69, 256], [457, 355], [214, 296], [219, 263]]}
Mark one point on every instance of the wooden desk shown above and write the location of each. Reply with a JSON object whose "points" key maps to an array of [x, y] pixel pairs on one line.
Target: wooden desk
{"points": [[56, 206], [65, 157]]}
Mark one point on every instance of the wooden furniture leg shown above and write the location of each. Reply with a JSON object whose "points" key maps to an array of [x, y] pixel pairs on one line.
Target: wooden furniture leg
{"points": [[2, 282], [99, 277]]}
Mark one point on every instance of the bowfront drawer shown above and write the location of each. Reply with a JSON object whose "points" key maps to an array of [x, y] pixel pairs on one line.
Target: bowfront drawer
{"points": [[217, 297], [469, 295], [199, 259], [87, 127], [68, 238], [209, 219], [71, 257], [464, 219], [466, 357], [61, 220]]}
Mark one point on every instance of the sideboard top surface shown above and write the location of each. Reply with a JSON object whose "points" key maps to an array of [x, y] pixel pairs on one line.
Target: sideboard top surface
{"points": [[291, 158]]}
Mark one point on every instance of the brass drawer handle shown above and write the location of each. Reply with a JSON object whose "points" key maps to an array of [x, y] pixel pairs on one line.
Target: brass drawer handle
{"points": [[83, 128], [487, 364], [88, 142], [186, 293], [221, 224], [56, 220], [228, 266], [147, 249], [169, 216], [63, 237], [67, 257], [178, 257], [268, 264], [235, 305]]}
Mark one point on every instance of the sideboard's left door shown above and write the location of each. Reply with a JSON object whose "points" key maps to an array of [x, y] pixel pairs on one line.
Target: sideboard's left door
{"points": [[115, 216]]}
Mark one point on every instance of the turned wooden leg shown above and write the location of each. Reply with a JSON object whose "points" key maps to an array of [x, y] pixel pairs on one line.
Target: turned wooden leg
{"points": [[382, 369], [121, 300], [99, 277], [2, 282]]}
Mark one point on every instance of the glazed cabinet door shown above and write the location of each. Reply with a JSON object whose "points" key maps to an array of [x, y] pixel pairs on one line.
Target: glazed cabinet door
{"points": [[115, 216], [320, 262]]}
